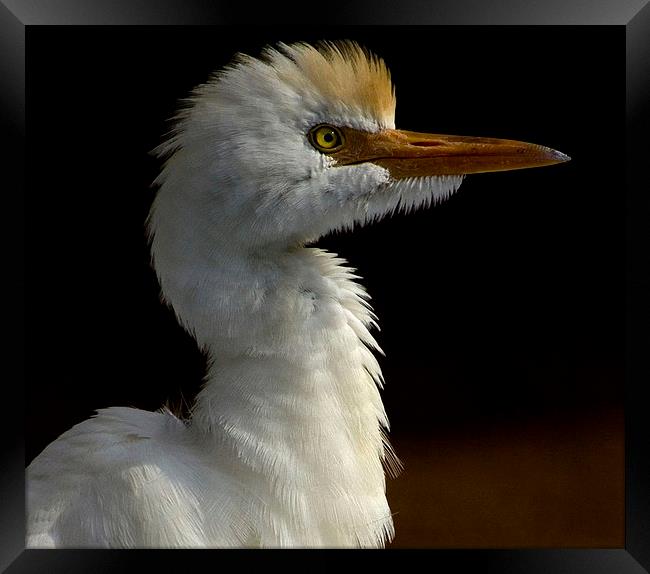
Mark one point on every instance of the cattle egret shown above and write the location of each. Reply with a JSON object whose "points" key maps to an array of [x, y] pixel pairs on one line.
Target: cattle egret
{"points": [[286, 444]]}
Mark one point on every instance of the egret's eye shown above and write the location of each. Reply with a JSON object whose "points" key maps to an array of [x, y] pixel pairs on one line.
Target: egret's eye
{"points": [[325, 138]]}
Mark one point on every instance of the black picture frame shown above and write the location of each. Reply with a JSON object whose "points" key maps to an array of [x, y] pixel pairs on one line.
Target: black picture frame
{"points": [[634, 16]]}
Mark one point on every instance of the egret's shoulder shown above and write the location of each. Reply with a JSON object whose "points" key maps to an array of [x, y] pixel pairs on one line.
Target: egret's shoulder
{"points": [[113, 433], [129, 478]]}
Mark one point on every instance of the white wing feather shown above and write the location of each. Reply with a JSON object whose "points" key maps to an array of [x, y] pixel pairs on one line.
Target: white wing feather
{"points": [[131, 478]]}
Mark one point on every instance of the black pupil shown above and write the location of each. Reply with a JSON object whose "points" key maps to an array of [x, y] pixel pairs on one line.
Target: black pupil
{"points": [[329, 137]]}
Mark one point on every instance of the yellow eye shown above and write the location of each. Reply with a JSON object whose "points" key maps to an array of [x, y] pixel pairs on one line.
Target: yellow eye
{"points": [[326, 138]]}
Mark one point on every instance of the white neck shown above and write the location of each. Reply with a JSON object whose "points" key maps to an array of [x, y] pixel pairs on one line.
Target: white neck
{"points": [[291, 394]]}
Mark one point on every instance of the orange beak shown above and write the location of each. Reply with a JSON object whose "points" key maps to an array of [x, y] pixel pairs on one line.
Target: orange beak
{"points": [[412, 154]]}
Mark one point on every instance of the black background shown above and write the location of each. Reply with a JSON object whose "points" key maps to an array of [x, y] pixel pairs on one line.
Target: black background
{"points": [[504, 304]]}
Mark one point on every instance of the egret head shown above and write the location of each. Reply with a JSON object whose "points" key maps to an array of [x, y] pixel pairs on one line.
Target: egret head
{"points": [[280, 150]]}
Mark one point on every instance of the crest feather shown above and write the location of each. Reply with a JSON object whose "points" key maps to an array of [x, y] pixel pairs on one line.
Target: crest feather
{"points": [[343, 71]]}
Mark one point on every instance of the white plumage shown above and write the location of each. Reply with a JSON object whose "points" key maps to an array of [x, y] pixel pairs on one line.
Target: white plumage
{"points": [[286, 444]]}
